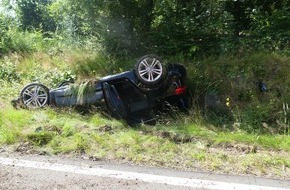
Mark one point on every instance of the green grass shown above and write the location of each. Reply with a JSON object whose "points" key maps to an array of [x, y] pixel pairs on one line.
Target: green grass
{"points": [[190, 142], [65, 131], [275, 142]]}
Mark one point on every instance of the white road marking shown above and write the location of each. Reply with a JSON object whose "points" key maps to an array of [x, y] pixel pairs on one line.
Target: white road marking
{"points": [[176, 181]]}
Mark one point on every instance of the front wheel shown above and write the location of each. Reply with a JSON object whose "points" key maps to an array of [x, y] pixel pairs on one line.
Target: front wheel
{"points": [[35, 95]]}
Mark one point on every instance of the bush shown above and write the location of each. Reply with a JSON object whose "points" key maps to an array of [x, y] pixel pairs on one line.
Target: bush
{"points": [[8, 71], [55, 77], [5, 39], [246, 90]]}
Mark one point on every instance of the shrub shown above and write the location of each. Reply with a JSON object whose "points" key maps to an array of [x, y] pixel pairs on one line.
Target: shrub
{"points": [[5, 39], [8, 71], [228, 88]]}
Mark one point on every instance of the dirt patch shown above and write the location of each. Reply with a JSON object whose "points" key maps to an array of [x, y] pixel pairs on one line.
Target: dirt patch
{"points": [[25, 148], [237, 148]]}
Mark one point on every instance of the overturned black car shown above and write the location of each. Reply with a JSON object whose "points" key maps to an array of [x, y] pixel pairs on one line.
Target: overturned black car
{"points": [[133, 95]]}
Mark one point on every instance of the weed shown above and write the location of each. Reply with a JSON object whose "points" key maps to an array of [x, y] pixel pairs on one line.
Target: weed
{"points": [[62, 145], [83, 90], [81, 142], [94, 66], [200, 156], [54, 77], [8, 135], [68, 130], [227, 90], [40, 138], [8, 71]]}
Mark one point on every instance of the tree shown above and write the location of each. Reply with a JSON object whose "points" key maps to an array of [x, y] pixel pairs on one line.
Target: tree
{"points": [[34, 14], [186, 27]]}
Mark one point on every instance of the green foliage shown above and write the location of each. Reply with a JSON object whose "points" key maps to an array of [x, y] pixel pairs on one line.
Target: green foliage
{"points": [[8, 71], [83, 90], [55, 77], [40, 138], [273, 27], [189, 28], [228, 48], [100, 64], [11, 124], [8, 135], [227, 89], [34, 14], [14, 40], [93, 66], [5, 39], [179, 28], [174, 27]]}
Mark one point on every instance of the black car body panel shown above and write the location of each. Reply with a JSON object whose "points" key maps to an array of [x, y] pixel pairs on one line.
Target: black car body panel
{"points": [[124, 95]]}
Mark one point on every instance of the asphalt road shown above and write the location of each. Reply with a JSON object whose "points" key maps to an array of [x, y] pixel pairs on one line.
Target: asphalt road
{"points": [[19, 171]]}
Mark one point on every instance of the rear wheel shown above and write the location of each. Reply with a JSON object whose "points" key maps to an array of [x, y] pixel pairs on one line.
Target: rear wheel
{"points": [[150, 70], [35, 95]]}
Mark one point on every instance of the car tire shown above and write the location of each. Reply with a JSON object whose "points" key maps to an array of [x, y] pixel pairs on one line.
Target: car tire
{"points": [[35, 95], [149, 70]]}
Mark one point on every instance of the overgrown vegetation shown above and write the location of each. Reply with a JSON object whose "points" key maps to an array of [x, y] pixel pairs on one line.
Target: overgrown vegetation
{"points": [[237, 58], [244, 92]]}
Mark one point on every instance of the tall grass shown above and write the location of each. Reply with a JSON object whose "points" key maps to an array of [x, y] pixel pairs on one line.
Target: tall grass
{"points": [[12, 122], [231, 118], [225, 90], [65, 131], [228, 89]]}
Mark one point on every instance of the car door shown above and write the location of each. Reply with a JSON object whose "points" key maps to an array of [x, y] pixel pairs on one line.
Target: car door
{"points": [[114, 101]]}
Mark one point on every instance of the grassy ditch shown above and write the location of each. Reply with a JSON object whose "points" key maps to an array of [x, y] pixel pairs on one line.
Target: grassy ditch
{"points": [[183, 146], [236, 136]]}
